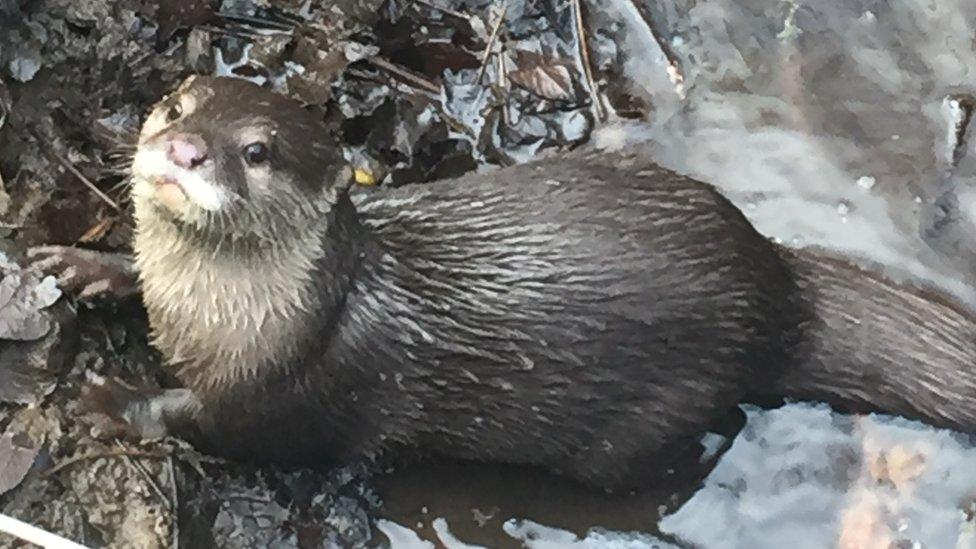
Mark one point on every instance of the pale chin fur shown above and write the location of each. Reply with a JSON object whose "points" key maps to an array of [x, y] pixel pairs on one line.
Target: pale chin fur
{"points": [[150, 163]]}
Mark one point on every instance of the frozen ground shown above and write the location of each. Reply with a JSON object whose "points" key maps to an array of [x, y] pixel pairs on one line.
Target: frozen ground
{"points": [[829, 124]]}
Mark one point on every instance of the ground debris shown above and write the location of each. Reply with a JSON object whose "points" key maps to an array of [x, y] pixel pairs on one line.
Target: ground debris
{"points": [[16, 459], [31, 337]]}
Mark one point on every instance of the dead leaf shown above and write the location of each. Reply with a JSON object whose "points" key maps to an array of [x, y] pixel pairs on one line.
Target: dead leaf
{"points": [[29, 335], [98, 231], [28, 369], [15, 461], [23, 298], [544, 76]]}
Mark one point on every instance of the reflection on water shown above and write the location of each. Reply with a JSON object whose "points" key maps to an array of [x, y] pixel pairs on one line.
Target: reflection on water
{"points": [[799, 476], [476, 500]]}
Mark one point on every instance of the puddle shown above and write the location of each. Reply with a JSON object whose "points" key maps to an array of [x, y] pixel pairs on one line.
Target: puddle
{"points": [[476, 500], [800, 476]]}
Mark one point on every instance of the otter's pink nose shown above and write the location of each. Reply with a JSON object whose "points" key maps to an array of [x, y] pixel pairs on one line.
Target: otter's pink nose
{"points": [[187, 151]]}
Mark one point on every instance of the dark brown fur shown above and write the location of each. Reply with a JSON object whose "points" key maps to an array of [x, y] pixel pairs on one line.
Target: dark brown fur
{"points": [[588, 313]]}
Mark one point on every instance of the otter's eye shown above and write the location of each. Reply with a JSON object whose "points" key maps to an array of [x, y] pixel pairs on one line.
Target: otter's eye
{"points": [[256, 153], [174, 112]]}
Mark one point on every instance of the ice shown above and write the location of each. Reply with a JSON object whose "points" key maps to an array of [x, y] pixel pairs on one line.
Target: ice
{"points": [[801, 476], [401, 537], [530, 534], [793, 101], [805, 477], [536, 536], [866, 182]]}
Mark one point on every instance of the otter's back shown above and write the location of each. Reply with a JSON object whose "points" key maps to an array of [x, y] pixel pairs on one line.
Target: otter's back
{"points": [[600, 284]]}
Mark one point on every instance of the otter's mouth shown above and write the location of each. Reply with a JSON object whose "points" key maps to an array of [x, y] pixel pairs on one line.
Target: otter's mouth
{"points": [[169, 192], [176, 189]]}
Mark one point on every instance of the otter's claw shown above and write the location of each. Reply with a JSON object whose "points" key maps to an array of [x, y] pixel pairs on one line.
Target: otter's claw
{"points": [[118, 410], [88, 274]]}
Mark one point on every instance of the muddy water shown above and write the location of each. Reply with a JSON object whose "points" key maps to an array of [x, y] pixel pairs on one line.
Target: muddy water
{"points": [[476, 500]]}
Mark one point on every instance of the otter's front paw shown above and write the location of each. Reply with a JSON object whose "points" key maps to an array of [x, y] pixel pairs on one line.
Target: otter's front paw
{"points": [[88, 274], [118, 410]]}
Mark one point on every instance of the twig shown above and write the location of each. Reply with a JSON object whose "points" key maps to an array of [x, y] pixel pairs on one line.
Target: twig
{"points": [[257, 21], [242, 34], [442, 9], [491, 40], [418, 81], [35, 535], [175, 498], [97, 455], [146, 476], [81, 177], [502, 77], [674, 69], [585, 60]]}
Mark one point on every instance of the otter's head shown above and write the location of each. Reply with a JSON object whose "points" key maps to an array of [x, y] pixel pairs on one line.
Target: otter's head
{"points": [[225, 158]]}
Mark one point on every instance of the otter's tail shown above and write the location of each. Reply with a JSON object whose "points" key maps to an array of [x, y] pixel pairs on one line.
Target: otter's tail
{"points": [[866, 344]]}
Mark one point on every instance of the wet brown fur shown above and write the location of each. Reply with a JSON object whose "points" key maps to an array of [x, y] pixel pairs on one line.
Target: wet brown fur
{"points": [[587, 313]]}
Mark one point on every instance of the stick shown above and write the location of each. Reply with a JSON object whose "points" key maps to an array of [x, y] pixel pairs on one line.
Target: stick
{"points": [[96, 455], [674, 68], [35, 535], [585, 60], [145, 475], [175, 512], [447, 11], [81, 177], [491, 40], [257, 21], [418, 81]]}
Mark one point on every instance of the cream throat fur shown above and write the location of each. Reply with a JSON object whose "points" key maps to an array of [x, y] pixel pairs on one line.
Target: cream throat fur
{"points": [[220, 315]]}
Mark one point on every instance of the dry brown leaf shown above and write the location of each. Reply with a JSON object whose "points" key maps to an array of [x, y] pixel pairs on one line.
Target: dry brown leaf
{"points": [[544, 76], [15, 461], [97, 231]]}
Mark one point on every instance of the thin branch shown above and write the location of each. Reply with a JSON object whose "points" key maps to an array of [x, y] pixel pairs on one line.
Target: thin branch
{"points": [[417, 80], [175, 498], [81, 177], [502, 84], [491, 41], [257, 21], [97, 455], [145, 475], [33, 534], [674, 68], [235, 33], [584, 51], [442, 9], [74, 171]]}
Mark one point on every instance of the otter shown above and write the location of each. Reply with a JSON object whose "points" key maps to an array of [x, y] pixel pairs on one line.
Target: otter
{"points": [[588, 313]]}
